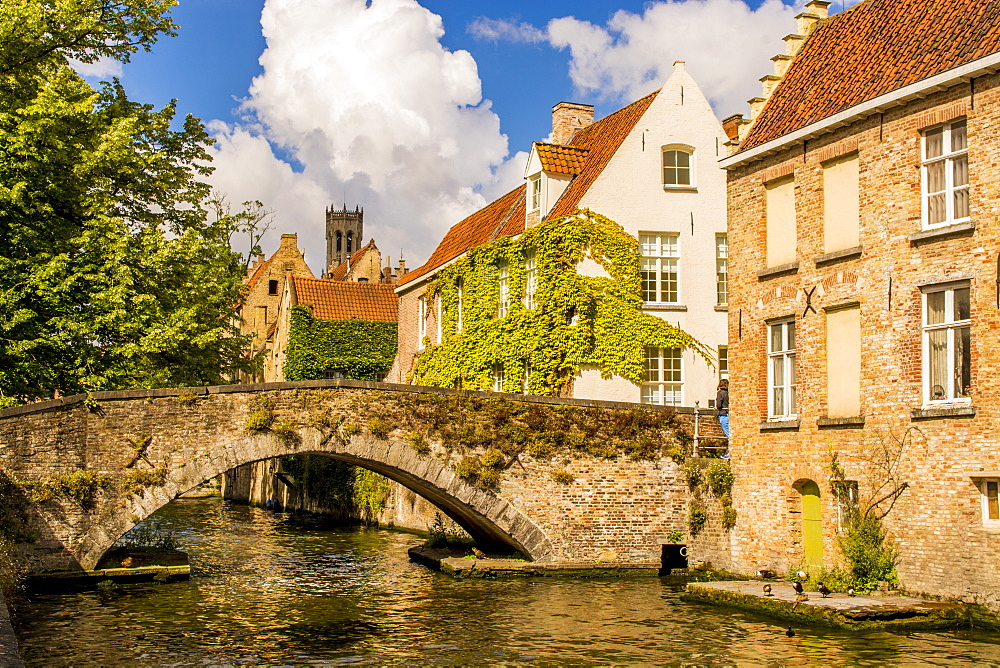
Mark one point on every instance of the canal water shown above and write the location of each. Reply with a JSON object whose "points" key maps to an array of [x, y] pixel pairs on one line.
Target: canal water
{"points": [[271, 588]]}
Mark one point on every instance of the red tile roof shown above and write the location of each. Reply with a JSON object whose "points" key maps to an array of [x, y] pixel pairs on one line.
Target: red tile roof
{"points": [[872, 49], [340, 271], [561, 159], [344, 300], [594, 145]]}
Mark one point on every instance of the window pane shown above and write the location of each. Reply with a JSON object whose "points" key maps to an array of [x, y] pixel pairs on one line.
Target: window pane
{"points": [[649, 245], [962, 304], [778, 370], [670, 158], [776, 338], [963, 361], [958, 136], [936, 209], [652, 365], [672, 395], [936, 177], [669, 176], [960, 171], [670, 245], [672, 364], [962, 203], [791, 335], [935, 307], [791, 384], [934, 143], [649, 280], [683, 159], [993, 499], [937, 363], [668, 281]]}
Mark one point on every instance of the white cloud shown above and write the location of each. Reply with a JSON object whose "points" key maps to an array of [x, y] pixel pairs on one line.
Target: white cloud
{"points": [[376, 112], [727, 47], [494, 30], [101, 68]]}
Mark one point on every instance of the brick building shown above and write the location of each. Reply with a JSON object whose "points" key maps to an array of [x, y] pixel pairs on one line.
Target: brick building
{"points": [[863, 318], [652, 168]]}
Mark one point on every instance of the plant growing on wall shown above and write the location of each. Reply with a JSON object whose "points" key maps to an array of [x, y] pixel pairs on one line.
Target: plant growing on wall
{"points": [[575, 320], [360, 349]]}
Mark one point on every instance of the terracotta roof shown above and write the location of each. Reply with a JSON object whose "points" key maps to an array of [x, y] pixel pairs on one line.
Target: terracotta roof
{"points": [[594, 145], [561, 159], [344, 300], [340, 272], [872, 49]]}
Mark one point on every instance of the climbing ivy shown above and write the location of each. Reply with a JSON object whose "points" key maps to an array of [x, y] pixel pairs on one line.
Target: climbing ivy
{"points": [[576, 320], [362, 349], [348, 488]]}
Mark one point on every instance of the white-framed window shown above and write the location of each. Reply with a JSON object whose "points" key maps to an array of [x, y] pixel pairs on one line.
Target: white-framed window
{"points": [[721, 269], [989, 489], [530, 279], [460, 290], [503, 304], [421, 322], [723, 362], [498, 377], [660, 253], [945, 174], [678, 167], [535, 192], [438, 318], [947, 342], [663, 383], [781, 369]]}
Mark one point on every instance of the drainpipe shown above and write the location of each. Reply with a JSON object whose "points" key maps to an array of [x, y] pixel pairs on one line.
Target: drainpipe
{"points": [[697, 415]]}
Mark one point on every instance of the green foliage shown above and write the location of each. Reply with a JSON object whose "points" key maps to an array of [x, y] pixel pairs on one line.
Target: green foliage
{"points": [[446, 534], [577, 320], [285, 431], [563, 477], [697, 518], [261, 416], [360, 349], [467, 467], [379, 426], [728, 517], [675, 536], [871, 557], [137, 480], [80, 487], [186, 399], [111, 274], [13, 518], [719, 477], [148, 536], [341, 486], [369, 491], [693, 473], [418, 442]]}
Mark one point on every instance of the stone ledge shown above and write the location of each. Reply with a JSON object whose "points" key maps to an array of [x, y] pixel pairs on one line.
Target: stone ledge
{"points": [[663, 307], [943, 412], [853, 421], [722, 307], [838, 256], [779, 425], [440, 560], [780, 270], [942, 232]]}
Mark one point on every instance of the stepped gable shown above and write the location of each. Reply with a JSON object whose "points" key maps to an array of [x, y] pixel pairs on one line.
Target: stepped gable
{"points": [[593, 146], [601, 139], [561, 159], [872, 49], [342, 300], [340, 272]]}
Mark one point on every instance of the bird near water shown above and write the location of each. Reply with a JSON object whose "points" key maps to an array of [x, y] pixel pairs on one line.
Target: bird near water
{"points": [[790, 632], [767, 590], [797, 586], [823, 590], [851, 592]]}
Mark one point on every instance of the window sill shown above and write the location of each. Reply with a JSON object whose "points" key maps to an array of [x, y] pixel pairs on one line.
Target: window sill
{"points": [[942, 232], [722, 307], [680, 189], [852, 421], [780, 425], [653, 306], [967, 410], [838, 256], [771, 272]]}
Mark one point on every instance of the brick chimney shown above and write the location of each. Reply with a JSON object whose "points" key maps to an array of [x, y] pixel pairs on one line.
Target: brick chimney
{"points": [[567, 118]]}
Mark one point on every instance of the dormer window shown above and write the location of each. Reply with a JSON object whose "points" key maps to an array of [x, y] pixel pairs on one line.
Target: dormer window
{"points": [[678, 167], [535, 192]]}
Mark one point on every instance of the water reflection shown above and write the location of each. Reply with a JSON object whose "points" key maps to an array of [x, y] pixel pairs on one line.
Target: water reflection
{"points": [[271, 588]]}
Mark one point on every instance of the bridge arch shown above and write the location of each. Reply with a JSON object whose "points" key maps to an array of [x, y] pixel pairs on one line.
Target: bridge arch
{"points": [[491, 520]]}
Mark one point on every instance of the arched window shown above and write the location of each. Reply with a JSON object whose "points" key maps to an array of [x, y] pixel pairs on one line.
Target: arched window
{"points": [[339, 240], [678, 166], [350, 240]]}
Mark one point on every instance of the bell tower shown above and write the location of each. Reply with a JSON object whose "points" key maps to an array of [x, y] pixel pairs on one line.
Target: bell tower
{"points": [[344, 233]]}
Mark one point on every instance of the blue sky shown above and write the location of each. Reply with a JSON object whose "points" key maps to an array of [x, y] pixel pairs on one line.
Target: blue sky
{"points": [[423, 111]]}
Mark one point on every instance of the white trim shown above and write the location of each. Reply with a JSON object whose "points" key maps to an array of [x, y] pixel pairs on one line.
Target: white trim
{"points": [[984, 501], [894, 98], [789, 408]]}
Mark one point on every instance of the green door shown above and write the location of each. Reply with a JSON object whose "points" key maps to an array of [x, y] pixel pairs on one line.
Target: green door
{"points": [[812, 525]]}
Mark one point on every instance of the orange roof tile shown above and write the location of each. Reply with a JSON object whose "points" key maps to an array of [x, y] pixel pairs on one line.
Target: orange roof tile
{"points": [[344, 300], [593, 145], [340, 271], [872, 49], [561, 159]]}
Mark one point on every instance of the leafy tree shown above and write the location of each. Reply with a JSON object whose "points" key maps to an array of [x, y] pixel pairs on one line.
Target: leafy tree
{"points": [[112, 275]]}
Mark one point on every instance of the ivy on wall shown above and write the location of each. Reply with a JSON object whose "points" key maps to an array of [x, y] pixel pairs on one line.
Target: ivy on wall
{"points": [[351, 489], [361, 349], [576, 320]]}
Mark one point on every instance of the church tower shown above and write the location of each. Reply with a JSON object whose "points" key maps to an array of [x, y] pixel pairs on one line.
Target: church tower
{"points": [[344, 233]]}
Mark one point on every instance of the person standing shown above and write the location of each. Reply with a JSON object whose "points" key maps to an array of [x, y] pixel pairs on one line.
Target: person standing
{"points": [[722, 405]]}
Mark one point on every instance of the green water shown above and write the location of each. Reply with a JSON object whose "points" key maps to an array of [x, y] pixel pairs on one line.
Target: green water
{"points": [[273, 588]]}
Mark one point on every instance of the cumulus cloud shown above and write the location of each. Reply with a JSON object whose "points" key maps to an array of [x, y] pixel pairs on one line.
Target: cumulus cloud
{"points": [[495, 30], [726, 45], [101, 68], [371, 109]]}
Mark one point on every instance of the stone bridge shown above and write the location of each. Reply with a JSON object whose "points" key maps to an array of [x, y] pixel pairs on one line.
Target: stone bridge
{"points": [[556, 479]]}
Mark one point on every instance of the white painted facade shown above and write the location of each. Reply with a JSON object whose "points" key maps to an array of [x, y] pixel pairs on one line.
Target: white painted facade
{"points": [[630, 191]]}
